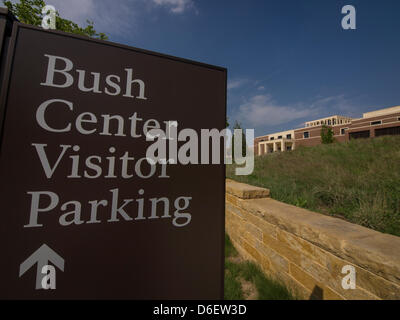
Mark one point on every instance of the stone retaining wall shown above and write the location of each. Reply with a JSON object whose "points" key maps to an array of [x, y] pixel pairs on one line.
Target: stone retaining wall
{"points": [[307, 250]]}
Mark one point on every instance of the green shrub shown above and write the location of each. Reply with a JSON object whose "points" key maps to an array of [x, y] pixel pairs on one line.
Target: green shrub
{"points": [[327, 135]]}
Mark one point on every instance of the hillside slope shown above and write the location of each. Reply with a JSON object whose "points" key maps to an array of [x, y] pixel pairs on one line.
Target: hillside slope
{"points": [[358, 180]]}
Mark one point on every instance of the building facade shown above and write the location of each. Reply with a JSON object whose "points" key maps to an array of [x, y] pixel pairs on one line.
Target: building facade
{"points": [[372, 124], [277, 142]]}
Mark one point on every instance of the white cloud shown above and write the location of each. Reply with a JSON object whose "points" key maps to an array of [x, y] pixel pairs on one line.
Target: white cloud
{"points": [[236, 83], [176, 6], [121, 18], [261, 88], [110, 17], [262, 110], [75, 10]]}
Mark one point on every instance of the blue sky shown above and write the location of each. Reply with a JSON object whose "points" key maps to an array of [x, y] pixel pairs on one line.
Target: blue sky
{"points": [[288, 61]]}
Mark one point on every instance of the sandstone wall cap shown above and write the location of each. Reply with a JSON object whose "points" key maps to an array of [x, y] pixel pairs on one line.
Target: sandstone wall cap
{"points": [[245, 191]]}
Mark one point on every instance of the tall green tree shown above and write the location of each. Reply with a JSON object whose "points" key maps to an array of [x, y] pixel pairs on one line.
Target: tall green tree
{"points": [[30, 12], [327, 135], [244, 145]]}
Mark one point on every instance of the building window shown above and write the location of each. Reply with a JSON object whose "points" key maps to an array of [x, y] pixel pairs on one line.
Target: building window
{"points": [[343, 131], [288, 136], [272, 138], [374, 123], [387, 131], [279, 137], [398, 119], [306, 135], [359, 134]]}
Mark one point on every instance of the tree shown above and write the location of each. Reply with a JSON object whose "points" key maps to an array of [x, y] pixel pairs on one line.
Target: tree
{"points": [[30, 12], [327, 135], [244, 145]]}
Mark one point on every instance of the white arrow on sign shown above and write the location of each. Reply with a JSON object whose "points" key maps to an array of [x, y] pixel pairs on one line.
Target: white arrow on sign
{"points": [[42, 257]]}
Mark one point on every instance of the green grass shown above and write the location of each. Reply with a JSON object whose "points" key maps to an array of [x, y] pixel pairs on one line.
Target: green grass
{"points": [[230, 250], [358, 180], [266, 288]]}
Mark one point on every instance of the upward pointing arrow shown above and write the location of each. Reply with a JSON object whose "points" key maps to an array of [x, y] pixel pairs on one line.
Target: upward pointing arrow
{"points": [[42, 257]]}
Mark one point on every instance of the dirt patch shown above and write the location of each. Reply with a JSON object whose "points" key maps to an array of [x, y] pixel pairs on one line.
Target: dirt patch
{"points": [[236, 259], [249, 290]]}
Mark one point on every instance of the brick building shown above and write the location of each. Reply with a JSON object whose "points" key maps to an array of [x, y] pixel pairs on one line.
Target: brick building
{"points": [[372, 124]]}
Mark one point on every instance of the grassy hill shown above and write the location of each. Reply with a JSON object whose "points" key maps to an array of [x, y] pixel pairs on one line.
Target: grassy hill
{"points": [[358, 180]]}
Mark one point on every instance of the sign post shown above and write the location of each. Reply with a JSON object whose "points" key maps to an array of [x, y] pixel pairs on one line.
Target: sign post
{"points": [[84, 215]]}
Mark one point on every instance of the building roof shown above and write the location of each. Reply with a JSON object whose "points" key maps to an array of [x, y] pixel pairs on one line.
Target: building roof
{"points": [[381, 112], [370, 114]]}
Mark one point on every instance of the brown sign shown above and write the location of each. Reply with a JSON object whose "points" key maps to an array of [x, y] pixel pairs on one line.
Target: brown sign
{"points": [[83, 214]]}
